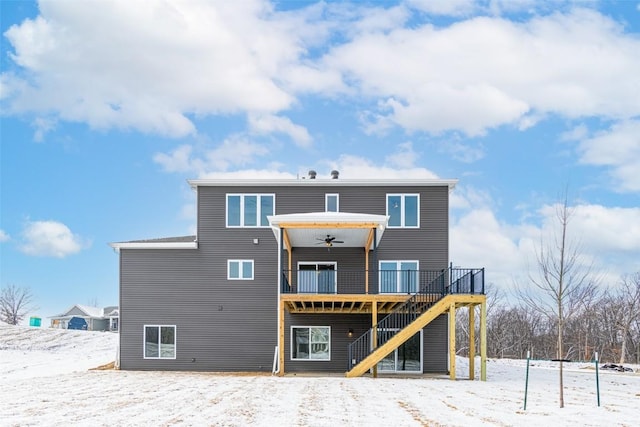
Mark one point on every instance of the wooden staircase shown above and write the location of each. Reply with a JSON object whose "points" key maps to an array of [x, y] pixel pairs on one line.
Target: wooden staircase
{"points": [[451, 288], [401, 337]]}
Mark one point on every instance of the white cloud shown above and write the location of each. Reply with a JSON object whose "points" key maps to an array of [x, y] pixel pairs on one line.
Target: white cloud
{"points": [[607, 236], [249, 174], [600, 229], [160, 63], [485, 72], [466, 153], [50, 238], [444, 7], [577, 133], [4, 236], [179, 160], [404, 158], [400, 164], [235, 151], [619, 149], [42, 126], [155, 62], [269, 123]]}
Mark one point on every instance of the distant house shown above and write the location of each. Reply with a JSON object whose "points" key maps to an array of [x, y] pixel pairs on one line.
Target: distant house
{"points": [[88, 318]]}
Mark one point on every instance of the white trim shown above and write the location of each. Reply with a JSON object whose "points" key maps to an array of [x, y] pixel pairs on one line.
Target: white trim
{"points": [[144, 342], [451, 183], [328, 217], [326, 201], [310, 219], [403, 210], [154, 245], [309, 359], [240, 269], [242, 196]]}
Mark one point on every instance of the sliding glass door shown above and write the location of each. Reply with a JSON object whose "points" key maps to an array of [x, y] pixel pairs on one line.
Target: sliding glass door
{"points": [[398, 277], [317, 277], [406, 358]]}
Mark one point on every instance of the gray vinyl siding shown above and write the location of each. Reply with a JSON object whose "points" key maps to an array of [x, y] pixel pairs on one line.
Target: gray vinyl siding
{"points": [[436, 346], [435, 341], [224, 325], [340, 325]]}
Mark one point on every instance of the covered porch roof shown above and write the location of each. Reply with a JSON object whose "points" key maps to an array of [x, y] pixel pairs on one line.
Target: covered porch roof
{"points": [[312, 229]]}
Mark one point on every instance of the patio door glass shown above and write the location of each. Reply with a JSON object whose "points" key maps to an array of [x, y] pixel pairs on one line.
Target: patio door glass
{"points": [[406, 358], [317, 278], [398, 277]]}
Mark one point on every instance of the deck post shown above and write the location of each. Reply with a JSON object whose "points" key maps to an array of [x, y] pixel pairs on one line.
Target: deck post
{"points": [[483, 340], [374, 332], [452, 341], [281, 341], [366, 271], [472, 341]]}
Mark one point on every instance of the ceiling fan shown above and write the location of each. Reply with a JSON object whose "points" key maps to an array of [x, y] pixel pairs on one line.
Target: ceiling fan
{"points": [[328, 241]]}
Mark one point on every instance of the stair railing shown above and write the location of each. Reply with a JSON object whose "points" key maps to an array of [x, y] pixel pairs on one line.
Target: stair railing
{"points": [[430, 290]]}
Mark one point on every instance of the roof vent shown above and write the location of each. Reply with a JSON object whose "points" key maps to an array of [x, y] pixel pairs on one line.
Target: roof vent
{"points": [[312, 174], [334, 174]]}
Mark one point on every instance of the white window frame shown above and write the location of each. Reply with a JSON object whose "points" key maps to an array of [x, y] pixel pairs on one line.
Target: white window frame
{"points": [[317, 264], [144, 342], [403, 213], [242, 196], [240, 269], [309, 359], [398, 270], [326, 201]]}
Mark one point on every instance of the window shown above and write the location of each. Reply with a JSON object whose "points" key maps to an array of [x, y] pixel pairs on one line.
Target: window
{"points": [[240, 269], [310, 343], [159, 342], [249, 210], [331, 203], [403, 210], [398, 277]]}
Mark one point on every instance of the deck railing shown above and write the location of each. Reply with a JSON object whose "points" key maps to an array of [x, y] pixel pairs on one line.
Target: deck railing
{"points": [[449, 281], [349, 281]]}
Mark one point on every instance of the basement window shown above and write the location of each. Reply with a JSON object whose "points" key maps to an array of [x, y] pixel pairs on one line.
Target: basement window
{"points": [[311, 343]]}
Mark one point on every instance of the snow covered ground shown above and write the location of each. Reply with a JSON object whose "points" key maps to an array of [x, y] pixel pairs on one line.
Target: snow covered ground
{"points": [[46, 381]]}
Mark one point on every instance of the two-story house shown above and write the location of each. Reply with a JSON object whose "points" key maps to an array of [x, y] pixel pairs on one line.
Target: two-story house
{"points": [[315, 275]]}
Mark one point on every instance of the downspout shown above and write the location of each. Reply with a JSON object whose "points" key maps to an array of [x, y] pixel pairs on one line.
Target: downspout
{"points": [[277, 355]]}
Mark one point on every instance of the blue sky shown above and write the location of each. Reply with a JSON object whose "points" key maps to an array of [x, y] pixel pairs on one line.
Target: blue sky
{"points": [[108, 107]]}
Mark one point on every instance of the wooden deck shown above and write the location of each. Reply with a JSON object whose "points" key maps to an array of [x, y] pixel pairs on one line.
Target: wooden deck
{"points": [[341, 303]]}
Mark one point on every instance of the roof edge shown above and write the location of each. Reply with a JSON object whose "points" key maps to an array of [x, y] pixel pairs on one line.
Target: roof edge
{"points": [[451, 183], [154, 245]]}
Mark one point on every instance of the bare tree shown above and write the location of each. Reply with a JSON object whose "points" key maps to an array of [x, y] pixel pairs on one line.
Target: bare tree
{"points": [[628, 299], [562, 284], [15, 302]]}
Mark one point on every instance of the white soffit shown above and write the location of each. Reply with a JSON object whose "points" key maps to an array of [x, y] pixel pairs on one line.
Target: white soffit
{"points": [[310, 229]]}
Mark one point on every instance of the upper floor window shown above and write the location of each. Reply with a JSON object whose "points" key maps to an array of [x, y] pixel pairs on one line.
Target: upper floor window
{"points": [[249, 210], [332, 203], [403, 210], [240, 269]]}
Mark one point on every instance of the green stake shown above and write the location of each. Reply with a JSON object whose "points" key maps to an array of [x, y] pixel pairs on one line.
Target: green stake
{"points": [[597, 380], [526, 382]]}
